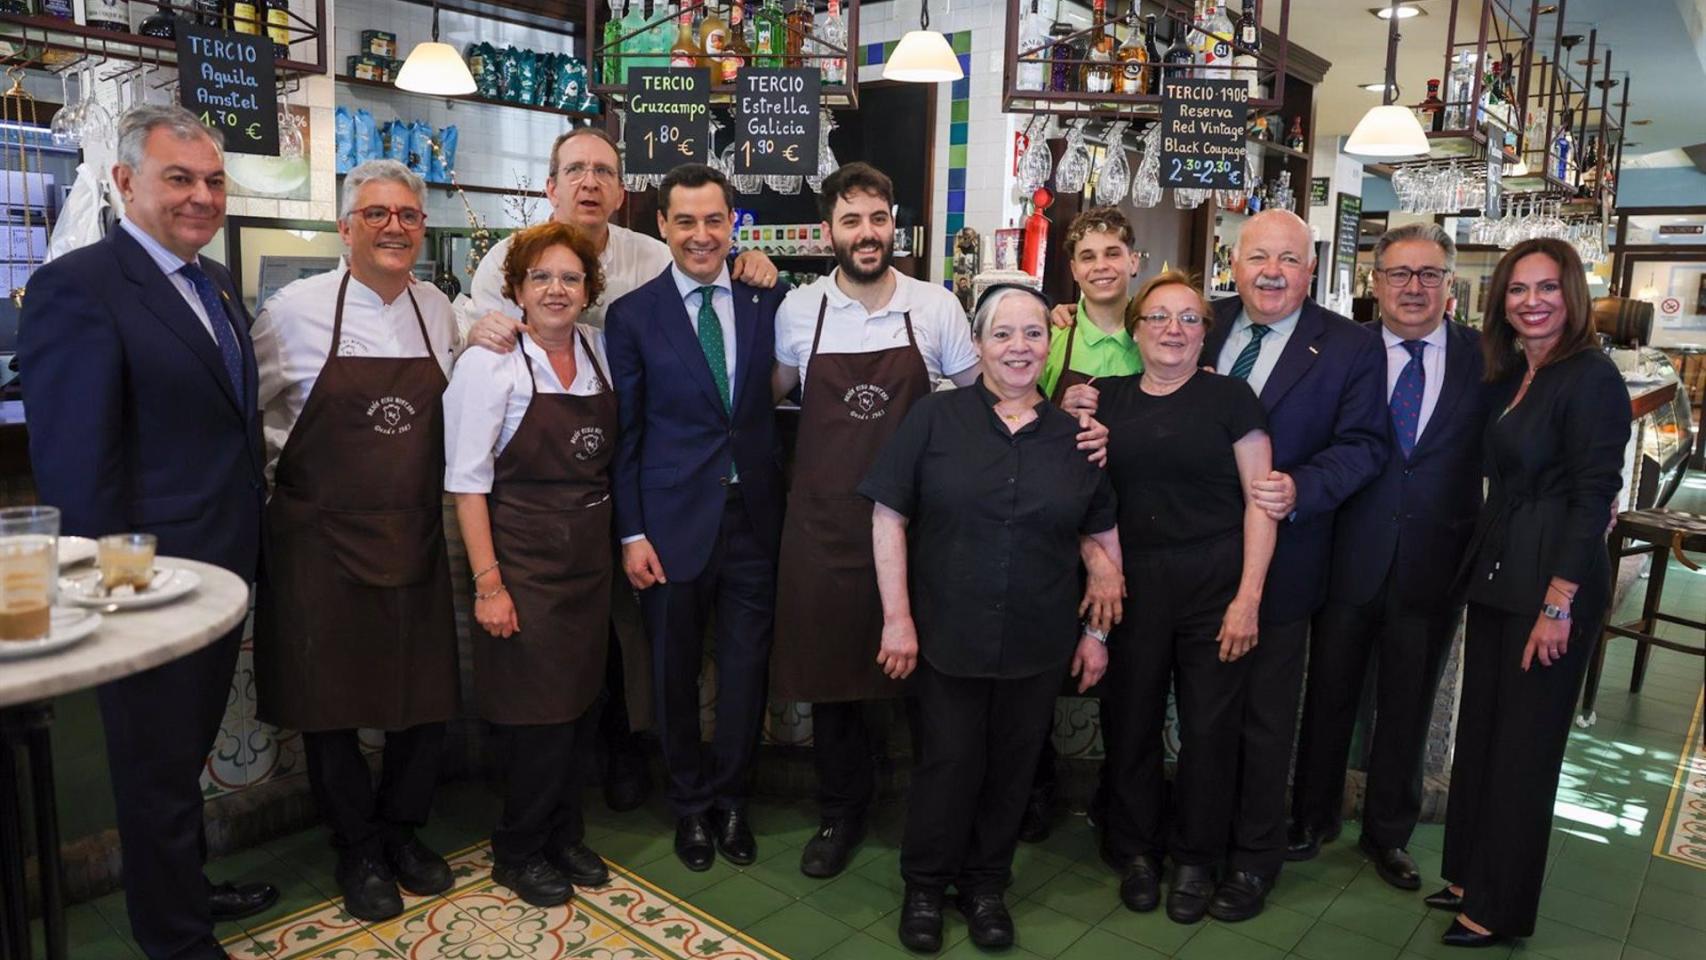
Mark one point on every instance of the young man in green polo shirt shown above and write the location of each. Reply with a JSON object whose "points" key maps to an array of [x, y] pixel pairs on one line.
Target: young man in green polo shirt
{"points": [[1098, 247]]}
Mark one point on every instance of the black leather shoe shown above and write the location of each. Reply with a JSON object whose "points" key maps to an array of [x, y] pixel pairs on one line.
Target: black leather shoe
{"points": [[369, 889], [1140, 888], [1034, 825], [1444, 900], [418, 870], [1304, 842], [693, 842], [1458, 935], [921, 920], [229, 901], [1239, 897], [827, 852], [534, 880], [734, 838], [1394, 865], [1187, 898], [987, 919], [577, 862], [627, 778]]}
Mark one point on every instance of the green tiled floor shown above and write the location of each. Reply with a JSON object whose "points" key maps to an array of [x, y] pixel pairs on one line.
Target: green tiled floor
{"points": [[1606, 896]]}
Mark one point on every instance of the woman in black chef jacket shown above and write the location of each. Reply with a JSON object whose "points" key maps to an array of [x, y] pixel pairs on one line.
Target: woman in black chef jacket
{"points": [[1183, 448], [1538, 579], [986, 487], [528, 437]]}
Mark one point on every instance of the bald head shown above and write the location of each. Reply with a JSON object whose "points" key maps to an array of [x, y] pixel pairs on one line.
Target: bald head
{"points": [[1271, 263]]}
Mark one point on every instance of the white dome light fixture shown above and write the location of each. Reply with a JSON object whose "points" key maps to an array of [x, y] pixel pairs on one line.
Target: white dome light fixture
{"points": [[1389, 131], [435, 68], [923, 55]]}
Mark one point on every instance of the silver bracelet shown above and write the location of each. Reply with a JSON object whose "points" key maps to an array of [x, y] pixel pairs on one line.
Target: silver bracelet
{"points": [[482, 573], [487, 596]]}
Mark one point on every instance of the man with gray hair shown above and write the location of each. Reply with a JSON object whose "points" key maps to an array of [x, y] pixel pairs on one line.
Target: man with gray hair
{"points": [[353, 626], [1396, 546], [139, 378]]}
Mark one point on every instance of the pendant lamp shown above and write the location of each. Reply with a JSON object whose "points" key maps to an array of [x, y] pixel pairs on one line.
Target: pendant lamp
{"points": [[1389, 131], [923, 55], [435, 68]]}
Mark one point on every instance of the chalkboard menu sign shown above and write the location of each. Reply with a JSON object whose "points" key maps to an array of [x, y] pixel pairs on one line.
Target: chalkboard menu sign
{"points": [[226, 79], [1347, 228], [1202, 134], [669, 119], [776, 121], [1318, 191]]}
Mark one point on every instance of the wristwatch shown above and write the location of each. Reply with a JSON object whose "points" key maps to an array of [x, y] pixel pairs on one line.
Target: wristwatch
{"points": [[1097, 635], [1552, 611]]}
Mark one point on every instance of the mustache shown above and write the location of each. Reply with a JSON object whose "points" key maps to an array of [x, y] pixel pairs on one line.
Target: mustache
{"points": [[1271, 283]]}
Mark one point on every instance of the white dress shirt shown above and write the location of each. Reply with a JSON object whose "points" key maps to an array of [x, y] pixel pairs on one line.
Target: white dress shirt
{"points": [[629, 260], [939, 325], [723, 302], [489, 394], [169, 264], [293, 338], [1433, 369], [1273, 344]]}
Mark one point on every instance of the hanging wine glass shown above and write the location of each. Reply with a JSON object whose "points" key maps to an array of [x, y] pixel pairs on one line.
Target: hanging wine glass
{"points": [[1113, 176], [1074, 170], [1037, 164], [64, 126], [826, 162], [289, 130], [94, 121], [785, 184], [1146, 184]]}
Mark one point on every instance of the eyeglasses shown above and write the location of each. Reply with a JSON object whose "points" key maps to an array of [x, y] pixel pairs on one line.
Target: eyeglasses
{"points": [[576, 172], [1400, 276], [377, 216], [1159, 318], [542, 279]]}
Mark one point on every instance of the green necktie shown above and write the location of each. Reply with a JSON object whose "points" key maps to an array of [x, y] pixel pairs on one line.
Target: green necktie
{"points": [[711, 341], [1246, 360]]}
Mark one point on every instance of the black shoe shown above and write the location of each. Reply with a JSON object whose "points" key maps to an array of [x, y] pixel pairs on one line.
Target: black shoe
{"points": [[921, 920], [1393, 864], [369, 889], [1458, 935], [1444, 900], [1140, 888], [627, 778], [418, 870], [1304, 842], [987, 919], [534, 880], [577, 862], [1034, 825], [827, 852], [693, 842], [734, 837], [1187, 898], [1239, 897], [229, 901]]}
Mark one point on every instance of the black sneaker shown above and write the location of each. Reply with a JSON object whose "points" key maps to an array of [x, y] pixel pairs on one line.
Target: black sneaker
{"points": [[534, 880]]}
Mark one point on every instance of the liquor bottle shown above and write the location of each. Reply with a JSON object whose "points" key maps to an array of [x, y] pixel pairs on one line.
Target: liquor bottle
{"points": [[713, 32], [162, 23], [1150, 40], [1062, 72], [1216, 42], [1132, 58], [1294, 139], [1249, 36], [210, 13], [1033, 34], [656, 47], [685, 52], [1097, 72], [246, 17], [1178, 53], [1431, 112], [111, 15], [833, 30], [612, 61], [278, 27], [1590, 167], [18, 7], [769, 32], [799, 27], [1492, 95], [1457, 89], [739, 53], [1563, 165]]}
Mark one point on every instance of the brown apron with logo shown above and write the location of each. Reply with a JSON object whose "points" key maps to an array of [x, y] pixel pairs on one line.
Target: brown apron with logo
{"points": [[354, 627], [829, 616], [1068, 376], [551, 520]]}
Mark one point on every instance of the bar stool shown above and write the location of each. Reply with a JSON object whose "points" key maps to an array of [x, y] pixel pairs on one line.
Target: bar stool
{"points": [[1661, 531]]}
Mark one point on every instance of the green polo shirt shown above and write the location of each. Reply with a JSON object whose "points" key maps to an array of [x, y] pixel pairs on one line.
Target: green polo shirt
{"points": [[1096, 354]]}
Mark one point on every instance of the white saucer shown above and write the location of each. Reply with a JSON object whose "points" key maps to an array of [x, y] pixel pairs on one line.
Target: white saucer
{"points": [[75, 550], [69, 626], [170, 583]]}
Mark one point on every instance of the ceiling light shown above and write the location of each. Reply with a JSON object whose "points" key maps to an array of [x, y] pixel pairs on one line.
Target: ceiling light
{"points": [[1389, 132], [1403, 11], [435, 68], [1374, 87], [923, 55]]}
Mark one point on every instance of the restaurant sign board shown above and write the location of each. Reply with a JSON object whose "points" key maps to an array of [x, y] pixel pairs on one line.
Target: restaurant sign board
{"points": [[1202, 134]]}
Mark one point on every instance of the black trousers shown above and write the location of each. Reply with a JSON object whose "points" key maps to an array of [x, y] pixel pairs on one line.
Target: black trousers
{"points": [[361, 817], [739, 585], [160, 725], [1274, 685], [1169, 637], [965, 804], [542, 798], [1512, 728], [845, 751], [1409, 650]]}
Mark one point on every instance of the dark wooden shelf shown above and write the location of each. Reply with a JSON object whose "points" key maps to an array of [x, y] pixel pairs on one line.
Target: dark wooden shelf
{"points": [[465, 98], [1277, 148]]}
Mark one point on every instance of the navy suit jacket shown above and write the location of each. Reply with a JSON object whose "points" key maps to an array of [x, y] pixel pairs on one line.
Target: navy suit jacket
{"points": [[1326, 403], [1414, 521], [134, 425], [676, 440]]}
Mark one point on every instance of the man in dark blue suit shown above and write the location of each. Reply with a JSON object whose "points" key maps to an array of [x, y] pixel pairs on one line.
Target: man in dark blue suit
{"points": [[699, 501], [1396, 546], [1321, 378], [139, 382]]}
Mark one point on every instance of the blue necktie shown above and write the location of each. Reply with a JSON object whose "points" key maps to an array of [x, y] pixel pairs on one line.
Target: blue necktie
{"points": [[220, 321], [1407, 398], [1246, 361]]}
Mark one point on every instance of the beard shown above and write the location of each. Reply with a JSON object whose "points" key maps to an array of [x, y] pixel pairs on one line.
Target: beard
{"points": [[845, 260]]}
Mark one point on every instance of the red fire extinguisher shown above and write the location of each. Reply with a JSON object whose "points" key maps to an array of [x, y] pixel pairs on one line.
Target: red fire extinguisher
{"points": [[1035, 252]]}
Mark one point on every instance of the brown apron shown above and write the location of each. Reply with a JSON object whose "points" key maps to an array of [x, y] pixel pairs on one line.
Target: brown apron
{"points": [[355, 628], [551, 525], [829, 616], [1068, 376]]}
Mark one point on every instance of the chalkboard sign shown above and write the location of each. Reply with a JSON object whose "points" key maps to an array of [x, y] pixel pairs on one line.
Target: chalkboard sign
{"points": [[1202, 134], [1347, 229], [669, 119], [776, 121], [1318, 191], [226, 79]]}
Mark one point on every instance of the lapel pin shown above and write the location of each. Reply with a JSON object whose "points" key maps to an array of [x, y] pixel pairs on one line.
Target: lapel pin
{"points": [[755, 298], [1314, 351]]}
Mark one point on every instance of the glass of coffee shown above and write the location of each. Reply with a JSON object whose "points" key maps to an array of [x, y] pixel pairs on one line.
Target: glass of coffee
{"points": [[126, 560], [29, 571]]}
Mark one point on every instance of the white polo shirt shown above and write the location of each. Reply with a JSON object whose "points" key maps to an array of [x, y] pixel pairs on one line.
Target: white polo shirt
{"points": [[938, 323]]}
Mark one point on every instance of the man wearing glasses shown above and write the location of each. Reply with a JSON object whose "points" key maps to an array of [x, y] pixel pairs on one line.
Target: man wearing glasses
{"points": [[1397, 545], [353, 627]]}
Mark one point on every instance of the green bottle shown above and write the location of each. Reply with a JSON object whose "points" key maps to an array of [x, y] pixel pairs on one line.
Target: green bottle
{"points": [[771, 34], [612, 65]]}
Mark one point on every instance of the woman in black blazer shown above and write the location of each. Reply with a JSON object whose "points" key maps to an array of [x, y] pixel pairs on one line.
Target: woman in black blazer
{"points": [[1538, 584]]}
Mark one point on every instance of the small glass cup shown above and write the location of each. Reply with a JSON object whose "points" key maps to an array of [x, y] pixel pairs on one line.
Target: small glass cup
{"points": [[126, 560], [29, 571]]}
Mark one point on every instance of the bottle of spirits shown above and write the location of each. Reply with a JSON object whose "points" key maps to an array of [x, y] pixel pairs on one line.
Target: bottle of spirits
{"points": [[162, 23], [210, 13], [613, 31], [1563, 165], [1431, 112], [1492, 95], [278, 27], [107, 15], [1151, 47], [1132, 58], [246, 17], [1178, 57], [833, 30], [1457, 89], [685, 52], [713, 34], [1249, 37], [1216, 40], [1097, 75], [799, 26], [1062, 71], [1294, 139], [769, 35], [739, 52], [1033, 34], [1590, 167]]}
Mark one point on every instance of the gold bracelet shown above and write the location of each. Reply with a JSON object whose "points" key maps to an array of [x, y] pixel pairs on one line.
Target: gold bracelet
{"points": [[487, 596], [482, 573]]}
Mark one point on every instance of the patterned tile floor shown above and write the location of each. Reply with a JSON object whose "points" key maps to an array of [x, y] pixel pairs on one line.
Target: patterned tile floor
{"points": [[1619, 883]]}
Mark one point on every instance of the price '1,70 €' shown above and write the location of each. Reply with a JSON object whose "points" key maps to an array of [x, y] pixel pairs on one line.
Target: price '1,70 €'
{"points": [[227, 120]]}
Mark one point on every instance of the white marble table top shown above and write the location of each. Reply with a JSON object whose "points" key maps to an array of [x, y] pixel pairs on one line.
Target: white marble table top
{"points": [[131, 641]]}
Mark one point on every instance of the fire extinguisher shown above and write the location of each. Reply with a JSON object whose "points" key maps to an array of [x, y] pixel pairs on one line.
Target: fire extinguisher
{"points": [[1035, 253]]}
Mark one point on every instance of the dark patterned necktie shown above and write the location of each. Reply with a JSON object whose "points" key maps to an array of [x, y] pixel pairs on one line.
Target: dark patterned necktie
{"points": [[1406, 400], [220, 321], [1246, 361]]}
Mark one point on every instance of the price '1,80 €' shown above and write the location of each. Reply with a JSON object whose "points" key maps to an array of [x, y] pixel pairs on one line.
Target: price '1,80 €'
{"points": [[668, 139]]}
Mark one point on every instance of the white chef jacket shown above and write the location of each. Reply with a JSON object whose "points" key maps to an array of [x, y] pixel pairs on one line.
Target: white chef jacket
{"points": [[629, 260], [938, 323], [1433, 369], [293, 337], [488, 396]]}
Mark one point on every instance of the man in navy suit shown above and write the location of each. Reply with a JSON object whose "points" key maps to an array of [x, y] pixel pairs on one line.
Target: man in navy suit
{"points": [[139, 382], [699, 501], [1396, 546], [1321, 378]]}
